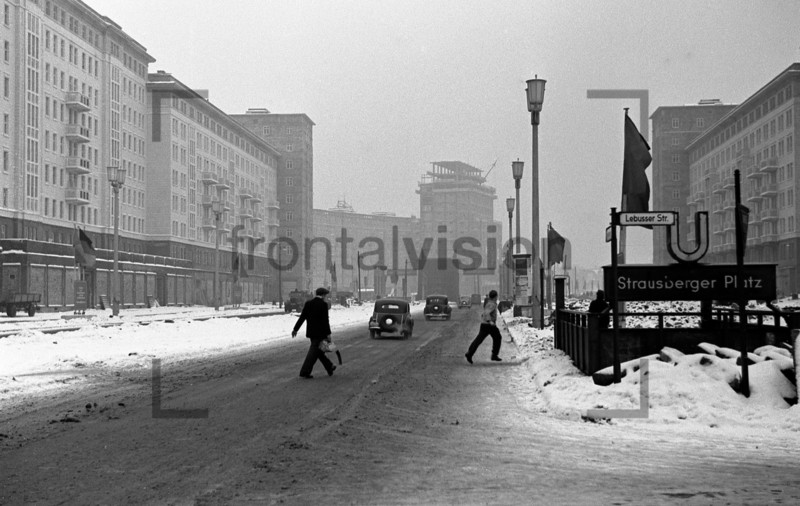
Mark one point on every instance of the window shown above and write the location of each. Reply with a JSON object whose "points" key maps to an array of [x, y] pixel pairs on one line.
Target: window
{"points": [[289, 164], [289, 216], [289, 147], [289, 181], [676, 141], [676, 194], [6, 87], [698, 123], [676, 158], [6, 122], [676, 176], [290, 198], [676, 123]]}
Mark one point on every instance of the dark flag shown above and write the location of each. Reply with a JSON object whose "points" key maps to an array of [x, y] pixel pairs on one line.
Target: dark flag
{"points": [[555, 246], [635, 187], [238, 267], [85, 254], [743, 215]]}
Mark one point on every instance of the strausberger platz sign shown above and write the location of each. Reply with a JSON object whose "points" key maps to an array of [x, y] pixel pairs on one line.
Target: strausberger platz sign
{"points": [[692, 282]]}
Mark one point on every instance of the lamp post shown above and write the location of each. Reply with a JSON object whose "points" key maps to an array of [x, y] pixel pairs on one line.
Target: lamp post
{"points": [[217, 209], [116, 176], [535, 95], [509, 263], [516, 170]]}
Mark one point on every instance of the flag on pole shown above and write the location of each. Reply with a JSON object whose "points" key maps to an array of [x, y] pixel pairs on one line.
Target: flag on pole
{"points": [[85, 253], [635, 187], [555, 246], [743, 215]]}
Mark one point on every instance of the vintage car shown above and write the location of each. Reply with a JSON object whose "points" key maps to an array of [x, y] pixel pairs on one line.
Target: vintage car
{"points": [[391, 316], [437, 307], [464, 302], [476, 299]]}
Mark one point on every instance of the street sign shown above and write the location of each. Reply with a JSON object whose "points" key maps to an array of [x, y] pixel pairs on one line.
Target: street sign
{"points": [[608, 234], [652, 218], [692, 282]]}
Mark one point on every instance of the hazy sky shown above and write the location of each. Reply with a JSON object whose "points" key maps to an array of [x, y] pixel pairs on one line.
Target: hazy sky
{"points": [[395, 85]]}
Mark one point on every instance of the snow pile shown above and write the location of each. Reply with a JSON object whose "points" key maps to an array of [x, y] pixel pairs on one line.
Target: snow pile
{"points": [[698, 389]]}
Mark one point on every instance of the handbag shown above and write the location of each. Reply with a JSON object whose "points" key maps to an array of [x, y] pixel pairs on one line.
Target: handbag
{"points": [[327, 346]]}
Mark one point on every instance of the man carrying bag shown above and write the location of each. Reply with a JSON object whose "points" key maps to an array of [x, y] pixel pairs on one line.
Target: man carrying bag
{"points": [[318, 330]]}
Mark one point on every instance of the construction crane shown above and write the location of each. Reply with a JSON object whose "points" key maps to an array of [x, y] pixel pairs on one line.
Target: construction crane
{"points": [[489, 171]]}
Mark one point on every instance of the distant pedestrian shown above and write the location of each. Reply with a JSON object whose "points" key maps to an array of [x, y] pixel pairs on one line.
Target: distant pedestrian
{"points": [[600, 306], [488, 328], [318, 329]]}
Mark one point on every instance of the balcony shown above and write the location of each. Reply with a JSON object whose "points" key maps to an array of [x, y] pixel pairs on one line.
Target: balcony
{"points": [[209, 178], [245, 194], [728, 225], [255, 198], [273, 222], [78, 166], [207, 200], [717, 229], [752, 172], [76, 196], [717, 208], [729, 183], [223, 184], [257, 216], [769, 190], [769, 165], [753, 195], [77, 101], [770, 214], [245, 212], [769, 237], [77, 133], [753, 241], [717, 188], [273, 204], [728, 204]]}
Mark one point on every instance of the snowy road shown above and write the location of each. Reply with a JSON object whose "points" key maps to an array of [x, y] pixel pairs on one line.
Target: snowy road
{"points": [[399, 423]]}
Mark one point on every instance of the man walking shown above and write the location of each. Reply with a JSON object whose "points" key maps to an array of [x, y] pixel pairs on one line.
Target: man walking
{"points": [[318, 329], [488, 328]]}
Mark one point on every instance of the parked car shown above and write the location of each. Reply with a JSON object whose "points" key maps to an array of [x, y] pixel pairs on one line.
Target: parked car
{"points": [[391, 316], [437, 307], [476, 299], [464, 302]]}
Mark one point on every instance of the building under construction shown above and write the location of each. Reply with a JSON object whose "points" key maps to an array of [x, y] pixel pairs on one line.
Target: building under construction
{"points": [[457, 213]]}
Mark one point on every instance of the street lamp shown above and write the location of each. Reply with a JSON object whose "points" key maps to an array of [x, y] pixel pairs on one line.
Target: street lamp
{"points": [[217, 208], [510, 276], [116, 176], [516, 170], [535, 95]]}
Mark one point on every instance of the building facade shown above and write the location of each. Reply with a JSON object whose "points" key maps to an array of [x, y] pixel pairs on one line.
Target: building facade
{"points": [[198, 155], [292, 136], [757, 138], [387, 245], [457, 213], [674, 128]]}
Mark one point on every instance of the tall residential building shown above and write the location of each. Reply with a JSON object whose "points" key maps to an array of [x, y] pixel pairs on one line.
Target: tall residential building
{"points": [[73, 104], [674, 128], [757, 138], [198, 155], [292, 136]]}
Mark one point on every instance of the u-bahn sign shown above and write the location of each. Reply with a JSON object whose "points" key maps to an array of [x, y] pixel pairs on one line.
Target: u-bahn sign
{"points": [[691, 282]]}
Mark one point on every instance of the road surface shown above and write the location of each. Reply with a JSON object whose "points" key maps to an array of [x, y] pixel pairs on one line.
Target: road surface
{"points": [[401, 422]]}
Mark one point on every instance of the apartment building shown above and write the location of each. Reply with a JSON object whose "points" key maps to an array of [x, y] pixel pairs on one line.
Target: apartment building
{"points": [[674, 128], [200, 158], [757, 138], [292, 136]]}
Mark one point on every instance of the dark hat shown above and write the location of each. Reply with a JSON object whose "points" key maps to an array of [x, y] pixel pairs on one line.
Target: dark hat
{"points": [[322, 291]]}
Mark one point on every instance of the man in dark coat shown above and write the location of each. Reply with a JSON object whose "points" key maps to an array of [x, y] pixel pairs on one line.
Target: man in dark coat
{"points": [[318, 329], [600, 306]]}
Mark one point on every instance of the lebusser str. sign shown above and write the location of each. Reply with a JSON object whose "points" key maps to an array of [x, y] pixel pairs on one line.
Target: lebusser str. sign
{"points": [[691, 282]]}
